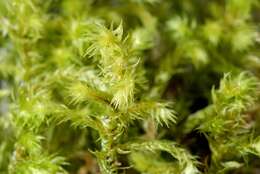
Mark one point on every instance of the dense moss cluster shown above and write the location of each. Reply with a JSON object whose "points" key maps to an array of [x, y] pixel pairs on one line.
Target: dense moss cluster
{"points": [[129, 86]]}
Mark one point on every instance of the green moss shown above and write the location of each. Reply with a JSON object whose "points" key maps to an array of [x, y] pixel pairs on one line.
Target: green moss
{"points": [[126, 86]]}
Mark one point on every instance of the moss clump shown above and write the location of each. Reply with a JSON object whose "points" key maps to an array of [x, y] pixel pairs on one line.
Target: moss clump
{"points": [[129, 86]]}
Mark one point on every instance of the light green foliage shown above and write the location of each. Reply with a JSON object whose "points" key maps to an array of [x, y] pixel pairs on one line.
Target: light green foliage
{"points": [[224, 121], [129, 86], [186, 161]]}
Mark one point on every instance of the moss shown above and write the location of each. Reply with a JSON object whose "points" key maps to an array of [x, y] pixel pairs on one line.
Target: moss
{"points": [[129, 86]]}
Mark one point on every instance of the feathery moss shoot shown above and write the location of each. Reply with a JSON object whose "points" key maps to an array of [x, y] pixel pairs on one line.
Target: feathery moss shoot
{"points": [[129, 87]]}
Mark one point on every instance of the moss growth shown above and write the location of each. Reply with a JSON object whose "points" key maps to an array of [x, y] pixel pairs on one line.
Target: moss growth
{"points": [[129, 86]]}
